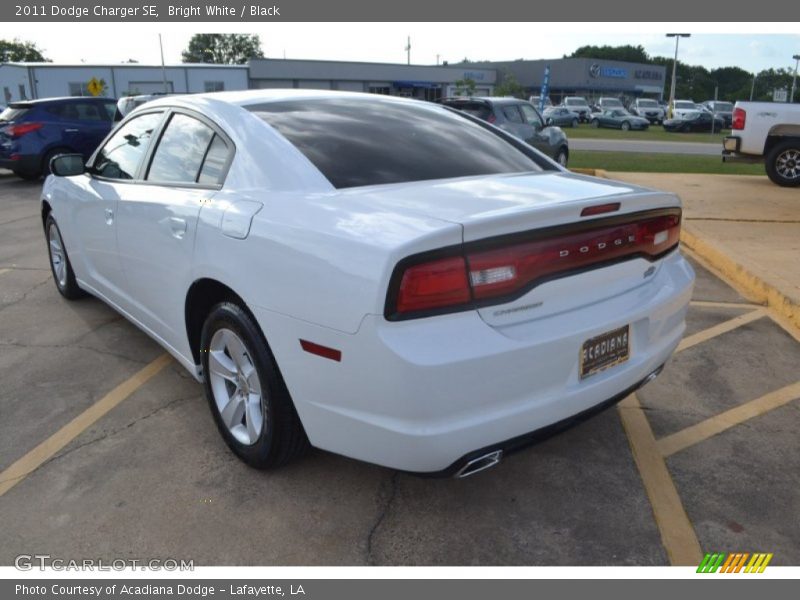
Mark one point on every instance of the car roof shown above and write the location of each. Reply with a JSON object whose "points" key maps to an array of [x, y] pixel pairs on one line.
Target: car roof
{"points": [[39, 101]]}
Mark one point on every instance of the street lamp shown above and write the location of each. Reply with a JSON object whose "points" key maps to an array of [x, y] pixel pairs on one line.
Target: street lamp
{"points": [[677, 37], [796, 57]]}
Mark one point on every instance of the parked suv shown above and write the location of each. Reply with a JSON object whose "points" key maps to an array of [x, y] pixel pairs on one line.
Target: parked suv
{"points": [[647, 109], [579, 105], [721, 109], [520, 119], [33, 132], [609, 104]]}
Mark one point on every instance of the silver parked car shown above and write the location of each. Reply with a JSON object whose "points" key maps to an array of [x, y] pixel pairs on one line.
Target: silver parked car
{"points": [[520, 119], [563, 117]]}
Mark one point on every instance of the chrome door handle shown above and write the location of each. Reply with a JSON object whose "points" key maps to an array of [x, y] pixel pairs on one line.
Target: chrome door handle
{"points": [[109, 216], [70, 131], [178, 227]]}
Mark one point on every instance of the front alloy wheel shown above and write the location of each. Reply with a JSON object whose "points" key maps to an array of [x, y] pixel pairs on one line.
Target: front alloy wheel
{"points": [[60, 266]]}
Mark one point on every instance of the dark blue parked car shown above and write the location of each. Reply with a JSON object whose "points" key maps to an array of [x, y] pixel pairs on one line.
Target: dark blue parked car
{"points": [[32, 132]]}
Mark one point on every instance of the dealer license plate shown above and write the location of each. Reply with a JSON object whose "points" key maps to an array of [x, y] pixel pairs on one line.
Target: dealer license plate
{"points": [[604, 351]]}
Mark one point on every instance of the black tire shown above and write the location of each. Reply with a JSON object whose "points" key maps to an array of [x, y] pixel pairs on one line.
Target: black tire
{"points": [[625, 126], [50, 155], [574, 122], [282, 437], [783, 163], [595, 123], [28, 175], [66, 285]]}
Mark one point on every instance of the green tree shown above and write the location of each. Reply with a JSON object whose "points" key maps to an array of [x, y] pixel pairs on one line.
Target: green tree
{"points": [[626, 53], [222, 48], [465, 87], [509, 86], [19, 51]]}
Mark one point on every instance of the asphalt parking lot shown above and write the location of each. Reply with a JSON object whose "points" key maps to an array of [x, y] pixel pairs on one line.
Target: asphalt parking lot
{"points": [[703, 459]]}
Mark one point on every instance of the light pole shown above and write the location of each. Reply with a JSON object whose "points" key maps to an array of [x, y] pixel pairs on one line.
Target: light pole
{"points": [[677, 37], [796, 57]]}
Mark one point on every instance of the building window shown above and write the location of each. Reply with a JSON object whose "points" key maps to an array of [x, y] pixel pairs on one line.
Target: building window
{"points": [[215, 86], [7, 94], [138, 88], [385, 90], [78, 89], [22, 94]]}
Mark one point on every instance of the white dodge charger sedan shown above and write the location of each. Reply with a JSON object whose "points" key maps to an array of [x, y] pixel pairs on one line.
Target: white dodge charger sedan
{"points": [[378, 277]]}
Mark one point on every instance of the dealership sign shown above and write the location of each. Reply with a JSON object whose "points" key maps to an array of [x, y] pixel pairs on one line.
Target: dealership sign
{"points": [[596, 70]]}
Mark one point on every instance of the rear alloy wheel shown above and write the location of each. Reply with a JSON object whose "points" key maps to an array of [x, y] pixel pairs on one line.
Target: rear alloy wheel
{"points": [[248, 398], [783, 163], [595, 123], [625, 126], [562, 157], [574, 122]]}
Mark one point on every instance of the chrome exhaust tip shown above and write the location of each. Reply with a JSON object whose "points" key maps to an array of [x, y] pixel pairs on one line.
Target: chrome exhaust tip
{"points": [[476, 465], [652, 376]]}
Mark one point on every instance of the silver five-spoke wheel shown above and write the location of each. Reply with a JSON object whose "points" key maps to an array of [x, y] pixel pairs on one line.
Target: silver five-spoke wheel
{"points": [[235, 386], [57, 255]]}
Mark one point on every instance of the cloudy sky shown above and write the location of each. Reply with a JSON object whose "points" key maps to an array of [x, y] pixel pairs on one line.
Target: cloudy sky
{"points": [[766, 45]]}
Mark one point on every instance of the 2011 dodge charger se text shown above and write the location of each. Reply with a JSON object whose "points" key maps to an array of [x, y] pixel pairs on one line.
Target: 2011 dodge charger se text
{"points": [[383, 278]]}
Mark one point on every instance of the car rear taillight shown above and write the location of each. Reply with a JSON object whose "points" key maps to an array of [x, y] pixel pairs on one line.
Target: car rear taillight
{"points": [[433, 284], [491, 118], [21, 129], [479, 276], [739, 118]]}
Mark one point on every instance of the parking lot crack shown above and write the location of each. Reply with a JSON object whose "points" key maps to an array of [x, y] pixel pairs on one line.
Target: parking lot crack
{"points": [[387, 493], [72, 347], [25, 295], [115, 432]]}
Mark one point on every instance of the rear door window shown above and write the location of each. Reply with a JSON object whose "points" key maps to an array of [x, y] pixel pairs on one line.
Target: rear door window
{"points": [[122, 154], [476, 109], [90, 111], [181, 151]]}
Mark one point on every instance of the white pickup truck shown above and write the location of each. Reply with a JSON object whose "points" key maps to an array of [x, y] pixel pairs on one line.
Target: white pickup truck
{"points": [[768, 132]]}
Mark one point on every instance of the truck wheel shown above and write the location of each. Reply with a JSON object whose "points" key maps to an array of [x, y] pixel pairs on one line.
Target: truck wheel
{"points": [[783, 163]]}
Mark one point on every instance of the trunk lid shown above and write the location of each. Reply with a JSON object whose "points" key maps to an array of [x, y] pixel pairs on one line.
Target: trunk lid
{"points": [[502, 211]]}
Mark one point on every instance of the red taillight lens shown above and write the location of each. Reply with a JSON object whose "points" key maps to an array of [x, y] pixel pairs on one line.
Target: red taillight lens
{"points": [[491, 118], [739, 118], [433, 285], [508, 270], [23, 128], [503, 273]]}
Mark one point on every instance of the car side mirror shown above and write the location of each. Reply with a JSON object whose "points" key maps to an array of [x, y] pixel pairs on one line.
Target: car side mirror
{"points": [[67, 165]]}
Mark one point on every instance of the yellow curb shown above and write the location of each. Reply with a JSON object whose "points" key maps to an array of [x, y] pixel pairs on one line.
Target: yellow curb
{"points": [[594, 172], [751, 285]]}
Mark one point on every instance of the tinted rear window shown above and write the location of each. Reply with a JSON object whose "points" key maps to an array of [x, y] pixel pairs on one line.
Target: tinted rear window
{"points": [[356, 142]]}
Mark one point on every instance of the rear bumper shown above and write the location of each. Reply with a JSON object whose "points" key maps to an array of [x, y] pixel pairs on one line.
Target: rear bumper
{"points": [[424, 395], [731, 146], [25, 163]]}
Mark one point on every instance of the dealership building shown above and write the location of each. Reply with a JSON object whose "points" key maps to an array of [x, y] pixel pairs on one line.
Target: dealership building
{"points": [[588, 77], [27, 81], [568, 76]]}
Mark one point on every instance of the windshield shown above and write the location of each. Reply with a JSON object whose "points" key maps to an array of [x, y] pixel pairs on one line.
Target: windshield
{"points": [[723, 106], [648, 103], [611, 102], [690, 105], [576, 102], [357, 142]]}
